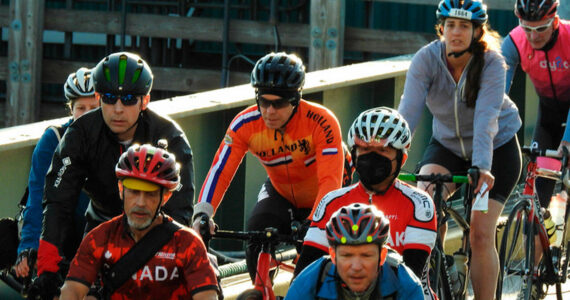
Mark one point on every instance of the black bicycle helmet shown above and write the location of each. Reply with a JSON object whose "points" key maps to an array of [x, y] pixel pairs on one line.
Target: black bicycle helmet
{"points": [[122, 73], [536, 10], [279, 71], [357, 224]]}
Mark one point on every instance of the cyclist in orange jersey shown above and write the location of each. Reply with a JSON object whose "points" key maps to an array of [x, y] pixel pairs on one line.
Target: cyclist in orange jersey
{"points": [[298, 143]]}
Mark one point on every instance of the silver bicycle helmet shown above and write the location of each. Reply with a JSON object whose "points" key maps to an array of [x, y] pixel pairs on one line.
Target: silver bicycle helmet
{"points": [[79, 84]]}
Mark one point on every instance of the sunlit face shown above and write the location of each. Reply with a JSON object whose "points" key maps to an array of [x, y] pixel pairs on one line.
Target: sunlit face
{"points": [[273, 117], [83, 105], [121, 118], [358, 265], [458, 34], [538, 33], [140, 207]]}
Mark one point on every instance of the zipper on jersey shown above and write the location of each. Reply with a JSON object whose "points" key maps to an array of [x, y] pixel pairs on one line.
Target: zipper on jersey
{"points": [[282, 132]]}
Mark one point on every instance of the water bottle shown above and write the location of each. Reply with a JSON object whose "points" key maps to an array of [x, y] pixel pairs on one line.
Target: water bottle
{"points": [[557, 209], [461, 266], [549, 226], [453, 276]]}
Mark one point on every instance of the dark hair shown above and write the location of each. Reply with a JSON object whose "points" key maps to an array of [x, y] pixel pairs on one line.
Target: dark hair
{"points": [[489, 40]]}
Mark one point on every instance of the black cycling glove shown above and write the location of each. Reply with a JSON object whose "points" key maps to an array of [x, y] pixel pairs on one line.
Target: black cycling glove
{"points": [[46, 286]]}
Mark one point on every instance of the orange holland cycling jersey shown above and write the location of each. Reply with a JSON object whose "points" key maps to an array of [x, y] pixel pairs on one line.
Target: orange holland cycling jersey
{"points": [[410, 210], [304, 161], [178, 270]]}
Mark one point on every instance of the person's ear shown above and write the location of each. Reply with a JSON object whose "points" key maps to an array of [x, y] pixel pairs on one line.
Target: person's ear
{"points": [[383, 253], [404, 158], [556, 22], [165, 196], [332, 253], [120, 183], [145, 101]]}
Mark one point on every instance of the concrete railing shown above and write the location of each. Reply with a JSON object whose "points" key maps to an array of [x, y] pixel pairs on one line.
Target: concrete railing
{"points": [[205, 116]]}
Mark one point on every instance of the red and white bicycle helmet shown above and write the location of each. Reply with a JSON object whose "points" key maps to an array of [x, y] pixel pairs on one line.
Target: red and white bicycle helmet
{"points": [[378, 124], [357, 224], [151, 164]]}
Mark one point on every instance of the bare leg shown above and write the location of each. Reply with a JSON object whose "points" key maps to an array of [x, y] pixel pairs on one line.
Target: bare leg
{"points": [[448, 189], [484, 257]]}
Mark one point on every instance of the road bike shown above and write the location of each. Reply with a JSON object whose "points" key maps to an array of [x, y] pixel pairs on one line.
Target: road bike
{"points": [[440, 278], [517, 251]]}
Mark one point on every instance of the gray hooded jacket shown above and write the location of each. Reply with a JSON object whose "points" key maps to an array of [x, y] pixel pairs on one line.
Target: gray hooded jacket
{"points": [[470, 133]]}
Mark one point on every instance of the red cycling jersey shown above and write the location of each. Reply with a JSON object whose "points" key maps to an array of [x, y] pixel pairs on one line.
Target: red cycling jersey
{"points": [[304, 161], [410, 210], [178, 270]]}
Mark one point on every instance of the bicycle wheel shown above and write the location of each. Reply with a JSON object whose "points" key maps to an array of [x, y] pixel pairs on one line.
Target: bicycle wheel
{"points": [[564, 253], [516, 254], [251, 294]]}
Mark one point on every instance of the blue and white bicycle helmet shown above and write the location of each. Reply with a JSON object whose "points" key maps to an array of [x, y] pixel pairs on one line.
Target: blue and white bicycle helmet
{"points": [[472, 10]]}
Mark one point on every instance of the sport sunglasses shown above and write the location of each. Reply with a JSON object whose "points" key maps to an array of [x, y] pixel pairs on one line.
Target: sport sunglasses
{"points": [[541, 28], [127, 100], [277, 104]]}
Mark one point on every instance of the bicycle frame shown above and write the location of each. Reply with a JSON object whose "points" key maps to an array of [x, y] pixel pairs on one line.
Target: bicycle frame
{"points": [[529, 193], [443, 209], [268, 239]]}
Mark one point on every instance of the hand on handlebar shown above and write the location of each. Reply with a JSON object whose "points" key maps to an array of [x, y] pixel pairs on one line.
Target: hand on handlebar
{"points": [[204, 225], [26, 263], [564, 144], [484, 176]]}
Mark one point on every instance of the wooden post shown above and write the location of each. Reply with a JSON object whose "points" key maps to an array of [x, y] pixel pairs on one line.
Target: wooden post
{"points": [[327, 34], [24, 61]]}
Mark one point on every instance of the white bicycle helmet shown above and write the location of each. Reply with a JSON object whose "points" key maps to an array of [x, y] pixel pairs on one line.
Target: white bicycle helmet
{"points": [[381, 123], [79, 84]]}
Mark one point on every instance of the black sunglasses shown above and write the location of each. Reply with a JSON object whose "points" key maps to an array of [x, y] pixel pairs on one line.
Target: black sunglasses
{"points": [[277, 104], [127, 100]]}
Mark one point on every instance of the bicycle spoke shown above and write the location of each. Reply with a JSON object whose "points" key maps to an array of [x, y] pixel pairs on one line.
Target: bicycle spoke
{"points": [[512, 255]]}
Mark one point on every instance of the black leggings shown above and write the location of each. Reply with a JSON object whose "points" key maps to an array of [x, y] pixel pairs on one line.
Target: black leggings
{"points": [[506, 165], [548, 133], [271, 210]]}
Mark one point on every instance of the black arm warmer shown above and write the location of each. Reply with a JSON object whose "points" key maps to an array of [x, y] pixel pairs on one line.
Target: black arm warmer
{"points": [[416, 260], [308, 255]]}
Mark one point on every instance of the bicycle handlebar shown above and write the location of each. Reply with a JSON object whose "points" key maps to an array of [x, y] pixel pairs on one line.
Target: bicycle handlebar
{"points": [[270, 235], [534, 152], [434, 178]]}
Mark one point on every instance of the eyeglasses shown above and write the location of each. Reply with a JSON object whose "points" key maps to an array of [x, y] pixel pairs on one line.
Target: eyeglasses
{"points": [[127, 100], [277, 104], [541, 28]]}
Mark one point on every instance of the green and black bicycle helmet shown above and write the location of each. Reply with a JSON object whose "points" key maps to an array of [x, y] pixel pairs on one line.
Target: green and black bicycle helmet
{"points": [[536, 10], [122, 73], [357, 224]]}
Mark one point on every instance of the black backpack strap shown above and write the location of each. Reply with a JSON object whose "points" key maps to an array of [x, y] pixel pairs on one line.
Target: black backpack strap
{"points": [[137, 256], [58, 130], [326, 265]]}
